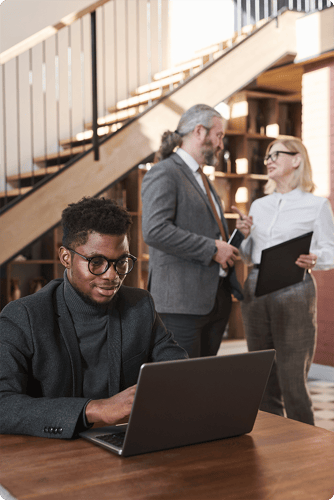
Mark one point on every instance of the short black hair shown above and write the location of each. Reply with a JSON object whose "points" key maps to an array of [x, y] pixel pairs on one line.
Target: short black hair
{"points": [[99, 215]]}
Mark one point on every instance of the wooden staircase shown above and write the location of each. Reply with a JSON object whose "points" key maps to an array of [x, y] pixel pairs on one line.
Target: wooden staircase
{"points": [[141, 98], [136, 125]]}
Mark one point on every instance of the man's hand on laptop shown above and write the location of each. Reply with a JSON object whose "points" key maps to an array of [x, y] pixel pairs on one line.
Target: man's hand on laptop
{"points": [[113, 410]]}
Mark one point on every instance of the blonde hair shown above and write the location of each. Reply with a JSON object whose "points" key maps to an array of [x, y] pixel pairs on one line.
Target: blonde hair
{"points": [[302, 176]]}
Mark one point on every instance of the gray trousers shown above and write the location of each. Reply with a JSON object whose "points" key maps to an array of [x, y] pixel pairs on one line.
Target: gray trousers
{"points": [[286, 321]]}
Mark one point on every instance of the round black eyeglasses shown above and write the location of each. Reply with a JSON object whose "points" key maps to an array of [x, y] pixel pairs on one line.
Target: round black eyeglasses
{"points": [[273, 156], [100, 264]]}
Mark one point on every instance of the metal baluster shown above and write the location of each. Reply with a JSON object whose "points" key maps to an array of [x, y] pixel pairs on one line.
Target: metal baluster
{"points": [[239, 16], [31, 117], [299, 5], [105, 111], [248, 11], [257, 11], [57, 96], [266, 9], [44, 104], [94, 86], [307, 5], [18, 136], [69, 83], [138, 45], [82, 65], [127, 82], [159, 35], [115, 53], [149, 52], [274, 8], [4, 130]]}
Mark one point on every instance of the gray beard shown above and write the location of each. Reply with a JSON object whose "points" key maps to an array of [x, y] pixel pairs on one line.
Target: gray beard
{"points": [[210, 158]]}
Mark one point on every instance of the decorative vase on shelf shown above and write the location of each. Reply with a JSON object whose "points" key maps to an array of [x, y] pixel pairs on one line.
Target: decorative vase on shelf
{"points": [[226, 157], [257, 165], [288, 126], [227, 161], [15, 289], [260, 123]]}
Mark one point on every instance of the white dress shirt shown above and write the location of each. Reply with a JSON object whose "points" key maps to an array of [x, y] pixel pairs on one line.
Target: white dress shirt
{"points": [[280, 217]]}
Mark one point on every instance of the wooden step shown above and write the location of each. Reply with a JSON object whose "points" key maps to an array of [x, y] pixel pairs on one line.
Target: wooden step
{"points": [[137, 100], [52, 159], [12, 193], [35, 174], [163, 82], [202, 57], [117, 117], [85, 138], [193, 63]]}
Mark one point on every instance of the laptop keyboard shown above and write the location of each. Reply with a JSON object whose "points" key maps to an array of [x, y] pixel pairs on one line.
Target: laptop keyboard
{"points": [[116, 439]]}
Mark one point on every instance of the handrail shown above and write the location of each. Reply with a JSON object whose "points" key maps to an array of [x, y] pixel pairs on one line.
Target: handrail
{"points": [[47, 32]]}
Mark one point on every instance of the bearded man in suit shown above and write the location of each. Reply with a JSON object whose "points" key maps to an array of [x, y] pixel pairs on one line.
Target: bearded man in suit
{"points": [[71, 353], [191, 266]]}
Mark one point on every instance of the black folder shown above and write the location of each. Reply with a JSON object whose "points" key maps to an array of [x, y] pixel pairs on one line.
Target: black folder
{"points": [[278, 269]]}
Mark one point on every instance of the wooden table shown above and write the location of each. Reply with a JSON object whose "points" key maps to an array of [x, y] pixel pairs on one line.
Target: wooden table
{"points": [[279, 460]]}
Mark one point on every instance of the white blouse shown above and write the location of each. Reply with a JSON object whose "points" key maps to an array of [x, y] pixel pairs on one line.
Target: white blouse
{"points": [[281, 217]]}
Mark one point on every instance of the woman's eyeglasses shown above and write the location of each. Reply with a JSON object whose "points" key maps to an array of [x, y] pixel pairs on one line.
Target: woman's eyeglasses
{"points": [[273, 156]]}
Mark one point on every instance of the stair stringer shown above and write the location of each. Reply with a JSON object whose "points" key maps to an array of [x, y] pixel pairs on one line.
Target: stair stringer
{"points": [[41, 210]]}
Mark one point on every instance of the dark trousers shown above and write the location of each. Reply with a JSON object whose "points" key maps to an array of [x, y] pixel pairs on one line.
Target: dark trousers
{"points": [[201, 335]]}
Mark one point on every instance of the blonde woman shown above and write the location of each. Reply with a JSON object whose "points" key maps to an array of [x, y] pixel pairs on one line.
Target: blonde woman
{"points": [[286, 319]]}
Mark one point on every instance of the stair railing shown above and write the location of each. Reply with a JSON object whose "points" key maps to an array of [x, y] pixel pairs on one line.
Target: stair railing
{"points": [[252, 11], [50, 84]]}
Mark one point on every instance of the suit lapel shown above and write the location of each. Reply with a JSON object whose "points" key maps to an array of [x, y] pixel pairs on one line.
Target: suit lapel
{"points": [[67, 331], [114, 350]]}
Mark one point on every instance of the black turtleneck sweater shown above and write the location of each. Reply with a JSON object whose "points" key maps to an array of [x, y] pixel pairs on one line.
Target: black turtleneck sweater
{"points": [[91, 327]]}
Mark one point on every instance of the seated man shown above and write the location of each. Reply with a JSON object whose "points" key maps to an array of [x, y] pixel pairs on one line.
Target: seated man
{"points": [[71, 353]]}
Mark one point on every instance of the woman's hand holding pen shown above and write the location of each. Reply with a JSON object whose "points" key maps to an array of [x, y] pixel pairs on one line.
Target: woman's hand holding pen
{"points": [[244, 223], [307, 261]]}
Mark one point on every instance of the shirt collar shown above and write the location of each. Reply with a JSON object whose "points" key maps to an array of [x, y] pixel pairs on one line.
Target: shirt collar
{"points": [[291, 195], [188, 159]]}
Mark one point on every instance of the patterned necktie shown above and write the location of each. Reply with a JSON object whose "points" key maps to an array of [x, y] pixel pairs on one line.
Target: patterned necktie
{"points": [[208, 192]]}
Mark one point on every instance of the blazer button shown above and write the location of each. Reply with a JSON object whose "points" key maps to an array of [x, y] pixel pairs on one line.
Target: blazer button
{"points": [[55, 430], [60, 430], [46, 429], [50, 430]]}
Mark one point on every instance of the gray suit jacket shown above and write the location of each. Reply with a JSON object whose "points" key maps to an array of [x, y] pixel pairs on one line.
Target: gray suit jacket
{"points": [[180, 228], [40, 370]]}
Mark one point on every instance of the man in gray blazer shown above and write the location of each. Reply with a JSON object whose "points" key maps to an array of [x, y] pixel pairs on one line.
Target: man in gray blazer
{"points": [[191, 267], [71, 353]]}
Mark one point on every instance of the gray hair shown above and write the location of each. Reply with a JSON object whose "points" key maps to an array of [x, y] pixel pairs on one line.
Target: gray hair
{"points": [[200, 114]]}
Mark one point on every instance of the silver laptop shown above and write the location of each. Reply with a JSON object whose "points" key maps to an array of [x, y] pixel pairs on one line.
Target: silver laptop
{"points": [[190, 401]]}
